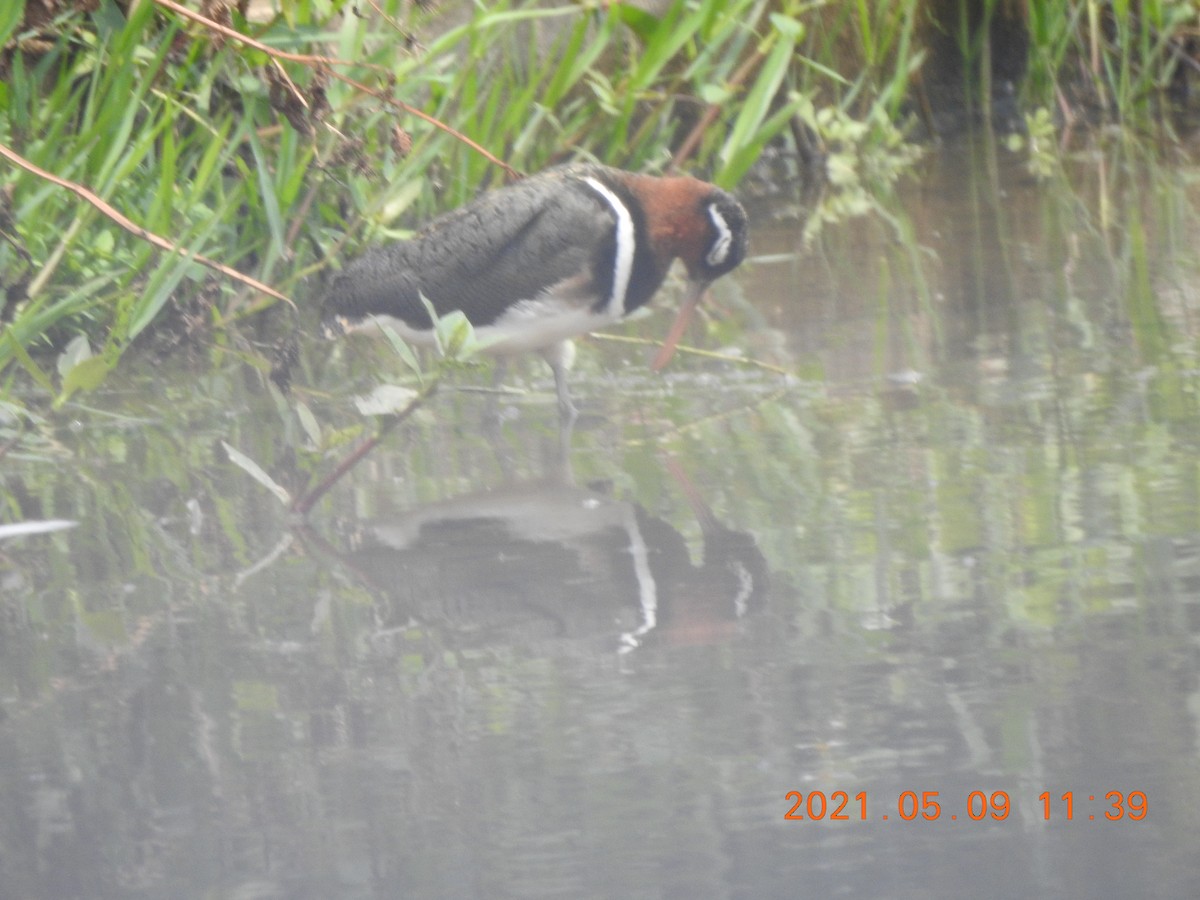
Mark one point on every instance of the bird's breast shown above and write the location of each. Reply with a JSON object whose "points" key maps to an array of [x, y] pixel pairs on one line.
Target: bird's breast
{"points": [[524, 326]]}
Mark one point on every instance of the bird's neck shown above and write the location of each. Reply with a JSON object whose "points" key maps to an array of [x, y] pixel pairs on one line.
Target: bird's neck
{"points": [[669, 206]]}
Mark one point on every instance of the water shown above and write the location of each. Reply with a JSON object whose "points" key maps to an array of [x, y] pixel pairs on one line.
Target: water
{"points": [[957, 551]]}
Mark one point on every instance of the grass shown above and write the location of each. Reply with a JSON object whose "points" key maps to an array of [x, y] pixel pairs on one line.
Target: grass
{"points": [[275, 163], [274, 168], [1115, 60]]}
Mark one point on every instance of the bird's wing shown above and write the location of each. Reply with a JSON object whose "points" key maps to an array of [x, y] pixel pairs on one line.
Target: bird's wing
{"points": [[508, 245]]}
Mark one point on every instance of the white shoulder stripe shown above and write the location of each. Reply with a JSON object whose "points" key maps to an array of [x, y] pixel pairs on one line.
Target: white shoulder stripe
{"points": [[623, 257]]}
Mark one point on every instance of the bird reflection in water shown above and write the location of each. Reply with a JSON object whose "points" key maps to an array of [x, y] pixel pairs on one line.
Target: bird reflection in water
{"points": [[551, 561]]}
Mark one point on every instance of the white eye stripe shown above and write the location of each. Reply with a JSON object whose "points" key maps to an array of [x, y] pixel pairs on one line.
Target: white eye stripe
{"points": [[719, 251], [623, 255]]}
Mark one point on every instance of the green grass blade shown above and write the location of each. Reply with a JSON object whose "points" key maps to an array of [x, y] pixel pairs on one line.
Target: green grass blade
{"points": [[11, 16], [748, 135], [266, 186]]}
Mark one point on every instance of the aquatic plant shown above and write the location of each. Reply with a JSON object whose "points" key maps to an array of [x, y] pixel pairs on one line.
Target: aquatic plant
{"points": [[1111, 59]]}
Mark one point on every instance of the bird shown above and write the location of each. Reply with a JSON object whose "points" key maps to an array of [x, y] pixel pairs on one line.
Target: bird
{"points": [[533, 264]]}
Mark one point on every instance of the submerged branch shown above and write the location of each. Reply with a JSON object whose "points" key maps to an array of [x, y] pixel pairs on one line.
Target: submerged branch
{"points": [[303, 505]]}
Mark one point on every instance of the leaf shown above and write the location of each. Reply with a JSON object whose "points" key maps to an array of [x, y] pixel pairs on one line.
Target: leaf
{"points": [[401, 347], [26, 361], [748, 136], [76, 351], [744, 157], [86, 375], [214, 152], [104, 243], [453, 333], [386, 400], [791, 28], [639, 21], [579, 54], [255, 471], [266, 187], [456, 335], [670, 35], [10, 17], [309, 423], [160, 289]]}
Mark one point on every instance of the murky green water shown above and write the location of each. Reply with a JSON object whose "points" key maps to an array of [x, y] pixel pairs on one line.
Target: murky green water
{"points": [[958, 552]]}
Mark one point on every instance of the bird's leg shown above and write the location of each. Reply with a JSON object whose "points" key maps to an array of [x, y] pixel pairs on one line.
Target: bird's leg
{"points": [[566, 408], [559, 357], [491, 409], [563, 470], [491, 419]]}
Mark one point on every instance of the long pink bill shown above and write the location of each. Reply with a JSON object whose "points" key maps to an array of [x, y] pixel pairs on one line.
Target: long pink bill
{"points": [[695, 291]]}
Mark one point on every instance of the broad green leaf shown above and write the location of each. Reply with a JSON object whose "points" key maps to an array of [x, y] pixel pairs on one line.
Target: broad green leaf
{"points": [[76, 351], [87, 375], [456, 336]]}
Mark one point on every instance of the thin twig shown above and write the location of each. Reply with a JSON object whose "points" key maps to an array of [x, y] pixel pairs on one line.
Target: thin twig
{"points": [[259, 45], [135, 229], [407, 36], [693, 425], [695, 351], [275, 552], [287, 79]]}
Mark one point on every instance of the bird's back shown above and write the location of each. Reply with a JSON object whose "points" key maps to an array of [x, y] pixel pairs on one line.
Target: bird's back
{"points": [[507, 246]]}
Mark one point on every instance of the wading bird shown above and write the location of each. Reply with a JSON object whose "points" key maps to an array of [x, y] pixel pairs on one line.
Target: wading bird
{"points": [[553, 256]]}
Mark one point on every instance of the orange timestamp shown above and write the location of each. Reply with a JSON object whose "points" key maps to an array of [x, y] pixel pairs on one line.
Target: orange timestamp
{"points": [[841, 806]]}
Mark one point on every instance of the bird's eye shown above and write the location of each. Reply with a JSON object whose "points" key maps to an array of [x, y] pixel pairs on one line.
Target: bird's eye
{"points": [[718, 253]]}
